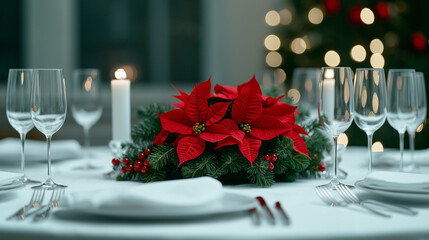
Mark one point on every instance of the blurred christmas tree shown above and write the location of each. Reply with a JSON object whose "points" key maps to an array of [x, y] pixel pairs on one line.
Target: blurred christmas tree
{"points": [[379, 34]]}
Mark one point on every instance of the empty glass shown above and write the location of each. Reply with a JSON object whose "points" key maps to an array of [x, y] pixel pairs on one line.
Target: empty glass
{"points": [[421, 108], [370, 103], [336, 106], [18, 108], [306, 81], [401, 103], [48, 109], [86, 106]]}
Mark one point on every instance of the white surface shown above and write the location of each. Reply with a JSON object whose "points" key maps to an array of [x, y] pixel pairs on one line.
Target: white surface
{"points": [[405, 196], [398, 181], [121, 110], [310, 217]]}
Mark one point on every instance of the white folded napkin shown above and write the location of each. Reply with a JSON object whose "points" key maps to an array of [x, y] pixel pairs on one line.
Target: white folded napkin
{"points": [[399, 181], [166, 194], [10, 150], [8, 177]]}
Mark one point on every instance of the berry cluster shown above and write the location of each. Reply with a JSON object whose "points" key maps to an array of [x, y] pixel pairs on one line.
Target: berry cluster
{"points": [[141, 165], [322, 166], [271, 158]]}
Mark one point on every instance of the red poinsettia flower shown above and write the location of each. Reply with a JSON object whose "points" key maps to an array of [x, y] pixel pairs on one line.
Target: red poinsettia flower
{"points": [[204, 87], [196, 123]]}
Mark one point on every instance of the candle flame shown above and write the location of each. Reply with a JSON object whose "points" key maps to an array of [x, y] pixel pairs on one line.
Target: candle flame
{"points": [[120, 74]]}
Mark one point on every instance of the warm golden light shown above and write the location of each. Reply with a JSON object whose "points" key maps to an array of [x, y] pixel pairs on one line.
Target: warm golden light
{"points": [[272, 18], [377, 147], [298, 46], [377, 60], [285, 17], [329, 73], [273, 59], [272, 42], [420, 128], [343, 139], [375, 103], [120, 74], [88, 84], [367, 16], [315, 16], [294, 95], [332, 58], [376, 46], [280, 76], [364, 97], [358, 53]]}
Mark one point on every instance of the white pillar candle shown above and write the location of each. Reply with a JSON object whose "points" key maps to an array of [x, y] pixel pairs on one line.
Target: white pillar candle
{"points": [[121, 108], [328, 98]]}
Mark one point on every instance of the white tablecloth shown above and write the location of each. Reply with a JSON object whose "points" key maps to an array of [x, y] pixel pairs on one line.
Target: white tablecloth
{"points": [[310, 218]]}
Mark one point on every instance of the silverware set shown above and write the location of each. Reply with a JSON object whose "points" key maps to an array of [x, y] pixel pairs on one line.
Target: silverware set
{"points": [[35, 206], [350, 199], [271, 217]]}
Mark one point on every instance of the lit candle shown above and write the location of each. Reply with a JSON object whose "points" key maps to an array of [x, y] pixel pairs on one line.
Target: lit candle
{"points": [[121, 107], [328, 98]]}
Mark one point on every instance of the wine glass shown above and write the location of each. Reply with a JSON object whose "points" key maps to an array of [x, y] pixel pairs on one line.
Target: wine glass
{"points": [[86, 106], [401, 103], [48, 109], [18, 109], [421, 108], [336, 106], [306, 81], [370, 103]]}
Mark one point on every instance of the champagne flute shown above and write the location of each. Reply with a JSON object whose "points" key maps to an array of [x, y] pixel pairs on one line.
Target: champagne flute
{"points": [[86, 104], [336, 106], [421, 112], [48, 109], [401, 103], [306, 81], [18, 109], [370, 103]]}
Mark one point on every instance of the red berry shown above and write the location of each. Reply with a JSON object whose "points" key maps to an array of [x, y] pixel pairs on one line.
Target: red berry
{"points": [[144, 169], [137, 169], [130, 168], [115, 162], [146, 162], [141, 156], [267, 157], [126, 161], [315, 155], [322, 166], [270, 166], [138, 164], [147, 152], [123, 169], [273, 158]]}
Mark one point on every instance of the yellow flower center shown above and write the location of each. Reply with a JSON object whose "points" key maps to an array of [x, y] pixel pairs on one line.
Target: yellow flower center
{"points": [[246, 127], [198, 128]]}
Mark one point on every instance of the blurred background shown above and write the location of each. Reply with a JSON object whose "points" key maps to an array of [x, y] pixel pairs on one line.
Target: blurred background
{"points": [[164, 42]]}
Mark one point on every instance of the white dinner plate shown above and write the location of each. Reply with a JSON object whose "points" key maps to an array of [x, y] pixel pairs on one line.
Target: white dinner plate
{"points": [[395, 194], [9, 187], [229, 203]]}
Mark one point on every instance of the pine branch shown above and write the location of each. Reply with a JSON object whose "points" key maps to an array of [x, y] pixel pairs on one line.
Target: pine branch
{"points": [[259, 173], [204, 165], [163, 156]]}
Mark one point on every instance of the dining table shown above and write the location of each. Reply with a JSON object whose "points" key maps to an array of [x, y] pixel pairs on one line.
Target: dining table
{"points": [[310, 218]]}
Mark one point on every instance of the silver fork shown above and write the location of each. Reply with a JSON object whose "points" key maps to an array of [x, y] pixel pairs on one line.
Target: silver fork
{"points": [[35, 202], [394, 208], [53, 202], [349, 199]]}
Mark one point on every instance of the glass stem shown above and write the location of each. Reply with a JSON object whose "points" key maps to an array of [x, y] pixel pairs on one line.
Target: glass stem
{"points": [[86, 141], [22, 136], [370, 153], [401, 148], [335, 162], [412, 136], [48, 140]]}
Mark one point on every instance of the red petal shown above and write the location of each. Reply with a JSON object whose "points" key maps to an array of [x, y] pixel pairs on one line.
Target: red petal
{"points": [[189, 148], [205, 87], [299, 129], [182, 96], [267, 127], [225, 92], [196, 106], [249, 147], [160, 137], [298, 143], [216, 112], [284, 112], [176, 121], [270, 101], [251, 84], [247, 107], [221, 131], [179, 105], [227, 141]]}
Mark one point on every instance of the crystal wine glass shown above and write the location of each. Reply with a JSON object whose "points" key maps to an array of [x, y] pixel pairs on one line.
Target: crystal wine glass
{"points": [[421, 112], [336, 106], [306, 81], [48, 109], [370, 103], [86, 106], [401, 103], [18, 109]]}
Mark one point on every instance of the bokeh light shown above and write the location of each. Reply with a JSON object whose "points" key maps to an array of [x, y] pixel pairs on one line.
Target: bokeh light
{"points": [[367, 16], [272, 18], [315, 16], [377, 60], [377, 147], [358, 53], [298, 46], [332, 58], [272, 42], [376, 46], [285, 16], [273, 59]]}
